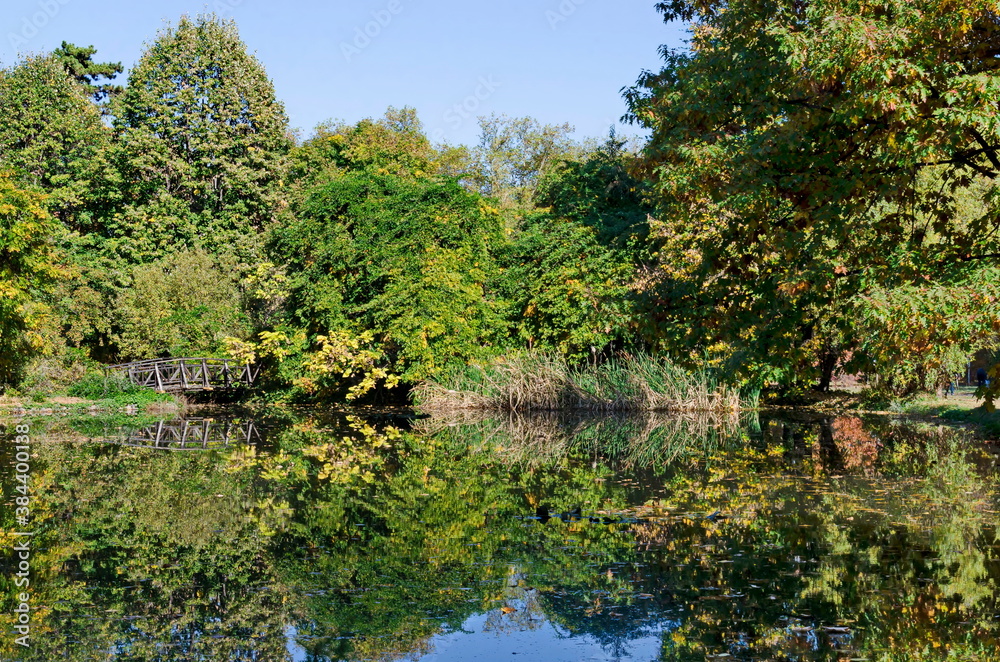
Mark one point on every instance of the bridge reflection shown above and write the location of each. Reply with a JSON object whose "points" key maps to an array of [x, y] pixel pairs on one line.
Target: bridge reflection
{"points": [[192, 434]]}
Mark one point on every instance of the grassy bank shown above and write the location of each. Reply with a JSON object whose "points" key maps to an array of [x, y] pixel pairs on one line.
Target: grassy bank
{"points": [[95, 391], [538, 382], [961, 408], [988, 423]]}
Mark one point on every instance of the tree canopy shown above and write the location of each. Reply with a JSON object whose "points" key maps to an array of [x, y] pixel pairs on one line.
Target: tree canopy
{"points": [[79, 63], [807, 155], [203, 142], [405, 257], [53, 137], [817, 193], [29, 266]]}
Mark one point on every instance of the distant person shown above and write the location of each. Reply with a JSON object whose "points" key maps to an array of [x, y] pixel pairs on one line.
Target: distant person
{"points": [[981, 377]]}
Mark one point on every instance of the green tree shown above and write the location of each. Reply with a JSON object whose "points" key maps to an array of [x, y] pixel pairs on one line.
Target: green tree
{"points": [[203, 144], [804, 154], [566, 273], [920, 336], [53, 137], [182, 305], [394, 143], [407, 258], [562, 290], [513, 153], [598, 190], [79, 63], [29, 266]]}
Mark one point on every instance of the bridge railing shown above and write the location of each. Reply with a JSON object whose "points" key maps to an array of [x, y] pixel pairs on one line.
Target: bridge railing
{"points": [[187, 374]]}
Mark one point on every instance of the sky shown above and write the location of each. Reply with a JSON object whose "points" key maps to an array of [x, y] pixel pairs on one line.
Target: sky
{"points": [[453, 60]]}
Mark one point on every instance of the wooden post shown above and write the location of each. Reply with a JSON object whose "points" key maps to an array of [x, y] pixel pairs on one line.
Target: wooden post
{"points": [[184, 375], [204, 374], [159, 380]]}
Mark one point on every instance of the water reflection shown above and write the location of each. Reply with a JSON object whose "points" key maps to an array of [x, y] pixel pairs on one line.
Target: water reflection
{"points": [[199, 433], [640, 440], [187, 433], [340, 538]]}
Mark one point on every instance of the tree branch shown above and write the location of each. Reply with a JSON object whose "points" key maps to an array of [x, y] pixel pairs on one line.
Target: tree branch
{"points": [[990, 152]]}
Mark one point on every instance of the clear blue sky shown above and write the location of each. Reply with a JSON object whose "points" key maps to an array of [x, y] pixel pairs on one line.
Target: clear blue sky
{"points": [[555, 60]]}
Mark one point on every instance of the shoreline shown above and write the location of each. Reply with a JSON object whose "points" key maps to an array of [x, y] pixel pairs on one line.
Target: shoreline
{"points": [[959, 411], [67, 406]]}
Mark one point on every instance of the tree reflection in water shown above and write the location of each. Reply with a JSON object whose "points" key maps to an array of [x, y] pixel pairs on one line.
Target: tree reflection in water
{"points": [[759, 539]]}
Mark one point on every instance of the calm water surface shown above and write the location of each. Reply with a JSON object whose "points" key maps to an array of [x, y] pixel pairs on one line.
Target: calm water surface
{"points": [[300, 535]]}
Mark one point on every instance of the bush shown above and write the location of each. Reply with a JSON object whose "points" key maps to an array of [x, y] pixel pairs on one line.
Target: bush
{"points": [[54, 372], [97, 385], [182, 305], [404, 258]]}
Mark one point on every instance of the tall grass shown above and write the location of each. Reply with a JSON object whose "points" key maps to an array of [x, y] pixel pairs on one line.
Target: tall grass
{"points": [[541, 382]]}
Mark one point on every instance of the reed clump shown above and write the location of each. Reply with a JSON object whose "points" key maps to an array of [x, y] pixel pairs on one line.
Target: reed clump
{"points": [[541, 382]]}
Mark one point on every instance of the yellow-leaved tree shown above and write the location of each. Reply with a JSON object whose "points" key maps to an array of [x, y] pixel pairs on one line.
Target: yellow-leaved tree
{"points": [[29, 266]]}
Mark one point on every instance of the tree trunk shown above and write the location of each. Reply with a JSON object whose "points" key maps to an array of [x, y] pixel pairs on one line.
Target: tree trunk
{"points": [[827, 365]]}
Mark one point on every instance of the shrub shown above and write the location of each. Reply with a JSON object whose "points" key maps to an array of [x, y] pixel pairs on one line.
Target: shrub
{"points": [[97, 385]]}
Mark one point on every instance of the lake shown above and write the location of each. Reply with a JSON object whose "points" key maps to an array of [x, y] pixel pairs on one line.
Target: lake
{"points": [[308, 535]]}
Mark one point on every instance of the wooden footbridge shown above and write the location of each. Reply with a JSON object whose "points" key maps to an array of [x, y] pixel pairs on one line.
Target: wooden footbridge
{"points": [[177, 375]]}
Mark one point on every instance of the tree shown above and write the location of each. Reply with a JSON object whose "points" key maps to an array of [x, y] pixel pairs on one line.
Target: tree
{"points": [[567, 271], [805, 153], [512, 155], [53, 137], [181, 305], [561, 289], [394, 143], [203, 141], [406, 258], [29, 266], [79, 63], [920, 336], [598, 190]]}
